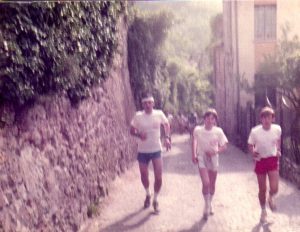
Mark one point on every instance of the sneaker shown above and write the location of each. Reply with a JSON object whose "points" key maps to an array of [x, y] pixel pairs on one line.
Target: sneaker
{"points": [[147, 201], [155, 206], [272, 204], [263, 216]]}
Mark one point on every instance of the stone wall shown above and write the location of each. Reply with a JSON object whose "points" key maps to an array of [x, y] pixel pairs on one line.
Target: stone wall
{"points": [[57, 160]]}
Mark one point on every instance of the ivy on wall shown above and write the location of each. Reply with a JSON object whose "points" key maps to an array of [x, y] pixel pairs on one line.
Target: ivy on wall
{"points": [[48, 47]]}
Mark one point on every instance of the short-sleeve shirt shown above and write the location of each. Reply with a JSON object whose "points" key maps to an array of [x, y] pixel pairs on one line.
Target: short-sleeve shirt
{"points": [[265, 142], [208, 140], [149, 124]]}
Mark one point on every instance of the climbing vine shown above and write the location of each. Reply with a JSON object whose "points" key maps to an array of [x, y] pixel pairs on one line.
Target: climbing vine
{"points": [[54, 47]]}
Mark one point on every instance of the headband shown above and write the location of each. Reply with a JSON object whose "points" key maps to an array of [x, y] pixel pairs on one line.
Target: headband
{"points": [[148, 99]]}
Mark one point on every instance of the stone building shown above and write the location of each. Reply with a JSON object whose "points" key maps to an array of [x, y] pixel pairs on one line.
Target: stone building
{"points": [[251, 30]]}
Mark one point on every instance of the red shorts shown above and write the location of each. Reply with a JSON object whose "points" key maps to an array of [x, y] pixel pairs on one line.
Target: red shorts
{"points": [[266, 164]]}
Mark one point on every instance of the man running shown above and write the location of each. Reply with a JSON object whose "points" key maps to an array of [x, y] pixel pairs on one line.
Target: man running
{"points": [[146, 127]]}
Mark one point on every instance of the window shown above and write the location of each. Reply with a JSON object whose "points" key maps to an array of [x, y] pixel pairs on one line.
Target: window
{"points": [[265, 22]]}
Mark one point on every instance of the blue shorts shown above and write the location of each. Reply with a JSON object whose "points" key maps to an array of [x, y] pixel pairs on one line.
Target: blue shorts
{"points": [[146, 157]]}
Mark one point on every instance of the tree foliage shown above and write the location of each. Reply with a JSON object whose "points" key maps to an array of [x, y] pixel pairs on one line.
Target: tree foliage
{"points": [[185, 65], [285, 67], [48, 47], [147, 66]]}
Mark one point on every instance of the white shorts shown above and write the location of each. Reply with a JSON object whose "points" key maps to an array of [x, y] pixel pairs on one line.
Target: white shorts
{"points": [[211, 163]]}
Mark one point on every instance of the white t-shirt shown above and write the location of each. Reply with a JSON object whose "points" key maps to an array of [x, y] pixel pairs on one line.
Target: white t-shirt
{"points": [[209, 140], [265, 142], [149, 124]]}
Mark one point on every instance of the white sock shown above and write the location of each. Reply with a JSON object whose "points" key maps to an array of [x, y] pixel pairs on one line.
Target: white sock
{"points": [[155, 196], [148, 192], [207, 201], [210, 201], [207, 198]]}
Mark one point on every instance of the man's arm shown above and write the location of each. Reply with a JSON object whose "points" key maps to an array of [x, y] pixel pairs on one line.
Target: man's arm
{"points": [[222, 148], [255, 154], [279, 148], [136, 133], [194, 150], [167, 135]]}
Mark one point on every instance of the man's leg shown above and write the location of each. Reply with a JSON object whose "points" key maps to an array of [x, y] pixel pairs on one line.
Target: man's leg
{"points": [[262, 186], [157, 167], [205, 190], [145, 181], [273, 181]]}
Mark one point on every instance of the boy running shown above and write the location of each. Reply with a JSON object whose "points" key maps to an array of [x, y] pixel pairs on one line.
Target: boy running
{"points": [[208, 141], [264, 145]]}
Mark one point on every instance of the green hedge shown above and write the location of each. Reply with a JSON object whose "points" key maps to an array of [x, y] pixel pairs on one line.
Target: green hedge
{"points": [[48, 47], [146, 63]]}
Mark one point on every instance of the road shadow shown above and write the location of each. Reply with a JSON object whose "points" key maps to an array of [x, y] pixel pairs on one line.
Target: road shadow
{"points": [[124, 223], [179, 160], [262, 227], [197, 227], [288, 204]]}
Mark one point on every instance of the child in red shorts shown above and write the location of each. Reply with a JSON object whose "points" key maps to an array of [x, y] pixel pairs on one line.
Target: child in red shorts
{"points": [[264, 144]]}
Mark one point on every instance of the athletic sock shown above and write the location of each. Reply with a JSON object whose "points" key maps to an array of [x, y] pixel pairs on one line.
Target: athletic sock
{"points": [[147, 192], [155, 196]]}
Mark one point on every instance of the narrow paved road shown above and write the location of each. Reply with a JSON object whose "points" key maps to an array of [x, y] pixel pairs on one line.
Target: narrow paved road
{"points": [[235, 204]]}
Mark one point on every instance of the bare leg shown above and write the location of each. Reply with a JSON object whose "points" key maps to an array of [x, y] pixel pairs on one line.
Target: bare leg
{"points": [[144, 174], [145, 181], [205, 180], [273, 181], [157, 167], [212, 180], [262, 187]]}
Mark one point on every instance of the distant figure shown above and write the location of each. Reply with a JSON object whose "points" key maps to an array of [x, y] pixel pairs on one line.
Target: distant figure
{"points": [[192, 122], [171, 122], [208, 141], [182, 123], [264, 145], [146, 127]]}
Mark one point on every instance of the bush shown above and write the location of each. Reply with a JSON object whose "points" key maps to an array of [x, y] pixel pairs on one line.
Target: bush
{"points": [[48, 47]]}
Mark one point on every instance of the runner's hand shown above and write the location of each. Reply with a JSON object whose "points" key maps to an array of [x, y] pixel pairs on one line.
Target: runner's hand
{"points": [[278, 154], [143, 136], [195, 159], [167, 144], [255, 155], [211, 153]]}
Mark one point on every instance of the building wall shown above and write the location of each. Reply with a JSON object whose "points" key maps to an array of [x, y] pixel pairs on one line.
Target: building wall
{"points": [[243, 54], [263, 49], [288, 12], [219, 82], [246, 47]]}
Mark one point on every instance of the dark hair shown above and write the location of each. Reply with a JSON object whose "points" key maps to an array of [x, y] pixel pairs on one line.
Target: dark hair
{"points": [[211, 111], [266, 111], [146, 95]]}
